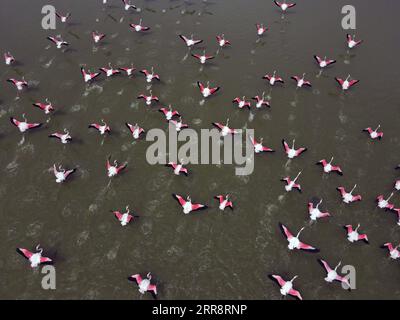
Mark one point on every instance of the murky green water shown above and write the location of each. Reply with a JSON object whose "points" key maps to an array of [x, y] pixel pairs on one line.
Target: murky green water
{"points": [[211, 254]]}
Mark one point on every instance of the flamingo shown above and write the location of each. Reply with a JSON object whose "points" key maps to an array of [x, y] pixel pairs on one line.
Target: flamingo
{"points": [[284, 6], [261, 29], [315, 213], [19, 84], [64, 137], [294, 242], [290, 184], [286, 286], [63, 17], [62, 174], [8, 58], [178, 167], [272, 79], [351, 41], [24, 125], [124, 218], [323, 63], [224, 202], [102, 128], [224, 128], [394, 252], [348, 197], [135, 130], [187, 204], [346, 84], [179, 125], [129, 70], [35, 258], [114, 169], [110, 71], [150, 75], [47, 107], [88, 76], [149, 98], [222, 42], [58, 41], [97, 36], [258, 146], [144, 284], [384, 203], [139, 27], [207, 91], [328, 167], [292, 152], [203, 57], [301, 81], [128, 5], [332, 274], [353, 235], [190, 42], [169, 113], [261, 101], [374, 134]]}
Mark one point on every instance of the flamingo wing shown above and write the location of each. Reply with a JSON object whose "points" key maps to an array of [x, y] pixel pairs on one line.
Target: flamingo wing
{"points": [[218, 125], [300, 151], [295, 293], [152, 288], [198, 206], [278, 279], [179, 198], [339, 80], [307, 247], [353, 82], [117, 214], [45, 260], [183, 38], [325, 265], [130, 127], [319, 60], [286, 231], [68, 172], [136, 277], [285, 146], [14, 121], [26, 253], [200, 85], [214, 90]]}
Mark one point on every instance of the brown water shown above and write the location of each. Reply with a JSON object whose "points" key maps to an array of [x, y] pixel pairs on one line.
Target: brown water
{"points": [[210, 254]]}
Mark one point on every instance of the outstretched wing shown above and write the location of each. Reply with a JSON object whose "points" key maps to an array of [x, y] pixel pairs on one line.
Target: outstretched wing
{"points": [[179, 198]]}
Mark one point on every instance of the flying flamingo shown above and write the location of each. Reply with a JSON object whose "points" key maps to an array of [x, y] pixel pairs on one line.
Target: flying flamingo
{"points": [[286, 286]]}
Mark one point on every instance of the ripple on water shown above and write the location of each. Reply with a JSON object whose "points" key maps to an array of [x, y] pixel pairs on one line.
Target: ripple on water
{"points": [[146, 227], [213, 186], [93, 208], [126, 146], [187, 100], [134, 105], [196, 121], [93, 87], [105, 110], [77, 108], [174, 253], [66, 212], [112, 253], [152, 206], [82, 237], [12, 167], [34, 229]]}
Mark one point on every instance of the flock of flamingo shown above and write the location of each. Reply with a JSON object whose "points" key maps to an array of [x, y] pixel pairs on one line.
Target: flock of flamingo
{"points": [[113, 168]]}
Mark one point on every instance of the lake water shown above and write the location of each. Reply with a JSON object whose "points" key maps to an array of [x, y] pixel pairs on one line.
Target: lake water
{"points": [[209, 254]]}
